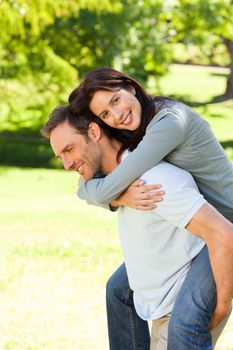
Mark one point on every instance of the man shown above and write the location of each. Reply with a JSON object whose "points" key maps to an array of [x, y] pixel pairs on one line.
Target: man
{"points": [[151, 240]]}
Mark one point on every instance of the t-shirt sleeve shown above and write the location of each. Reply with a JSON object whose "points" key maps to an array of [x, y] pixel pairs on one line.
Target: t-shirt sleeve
{"points": [[162, 136], [181, 202], [92, 201]]}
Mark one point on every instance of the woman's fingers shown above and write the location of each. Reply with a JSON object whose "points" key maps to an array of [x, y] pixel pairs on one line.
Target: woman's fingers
{"points": [[145, 188], [148, 204], [140, 196], [149, 195], [149, 188], [146, 207], [150, 201]]}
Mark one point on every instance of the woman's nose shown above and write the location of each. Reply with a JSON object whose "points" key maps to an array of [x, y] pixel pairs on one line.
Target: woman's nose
{"points": [[118, 113]]}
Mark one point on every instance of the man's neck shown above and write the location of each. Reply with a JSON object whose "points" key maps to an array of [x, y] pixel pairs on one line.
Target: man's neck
{"points": [[110, 156]]}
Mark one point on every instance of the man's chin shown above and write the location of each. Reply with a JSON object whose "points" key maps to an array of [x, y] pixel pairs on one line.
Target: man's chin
{"points": [[91, 175], [87, 177]]}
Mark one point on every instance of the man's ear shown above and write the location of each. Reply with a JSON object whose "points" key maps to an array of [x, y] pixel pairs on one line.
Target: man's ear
{"points": [[94, 131]]}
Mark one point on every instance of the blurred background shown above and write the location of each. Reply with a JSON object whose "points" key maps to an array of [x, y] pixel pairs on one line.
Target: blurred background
{"points": [[56, 252]]}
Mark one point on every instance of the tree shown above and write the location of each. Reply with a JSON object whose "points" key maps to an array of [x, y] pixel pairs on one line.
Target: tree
{"points": [[34, 76], [206, 23], [146, 49], [132, 38], [46, 45]]}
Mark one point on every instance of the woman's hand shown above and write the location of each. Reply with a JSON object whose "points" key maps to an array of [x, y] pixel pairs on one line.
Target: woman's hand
{"points": [[140, 196]]}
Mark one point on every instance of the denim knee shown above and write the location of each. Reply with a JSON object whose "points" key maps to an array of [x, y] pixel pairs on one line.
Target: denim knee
{"points": [[117, 287], [189, 333], [189, 329], [110, 288]]}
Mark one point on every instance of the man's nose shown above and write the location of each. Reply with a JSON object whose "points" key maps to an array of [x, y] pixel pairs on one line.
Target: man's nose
{"points": [[68, 163]]}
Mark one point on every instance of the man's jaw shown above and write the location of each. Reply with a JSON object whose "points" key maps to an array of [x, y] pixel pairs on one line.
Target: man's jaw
{"points": [[84, 171]]}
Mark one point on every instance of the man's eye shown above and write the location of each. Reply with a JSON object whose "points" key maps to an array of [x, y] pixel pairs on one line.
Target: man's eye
{"points": [[116, 100]]}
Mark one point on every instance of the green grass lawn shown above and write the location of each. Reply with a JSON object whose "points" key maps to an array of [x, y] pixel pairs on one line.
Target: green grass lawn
{"points": [[57, 252], [55, 257]]}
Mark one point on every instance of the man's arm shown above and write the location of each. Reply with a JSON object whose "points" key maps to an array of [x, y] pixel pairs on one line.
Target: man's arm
{"points": [[217, 232]]}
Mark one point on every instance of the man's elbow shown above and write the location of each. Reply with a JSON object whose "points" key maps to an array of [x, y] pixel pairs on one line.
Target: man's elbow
{"points": [[210, 225]]}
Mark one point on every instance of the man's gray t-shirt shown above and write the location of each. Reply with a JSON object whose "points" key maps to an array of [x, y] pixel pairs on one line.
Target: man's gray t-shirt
{"points": [[157, 248]]}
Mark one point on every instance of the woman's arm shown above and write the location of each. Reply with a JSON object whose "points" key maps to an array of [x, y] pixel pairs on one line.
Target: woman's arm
{"points": [[139, 196], [161, 138]]}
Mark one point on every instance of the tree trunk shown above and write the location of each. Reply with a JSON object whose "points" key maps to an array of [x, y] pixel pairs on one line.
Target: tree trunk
{"points": [[229, 88]]}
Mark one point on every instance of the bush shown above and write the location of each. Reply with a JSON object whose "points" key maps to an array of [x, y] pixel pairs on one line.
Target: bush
{"points": [[27, 152]]}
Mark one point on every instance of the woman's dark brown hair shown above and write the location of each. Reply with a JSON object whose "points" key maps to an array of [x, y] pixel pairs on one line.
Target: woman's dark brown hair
{"points": [[109, 79]]}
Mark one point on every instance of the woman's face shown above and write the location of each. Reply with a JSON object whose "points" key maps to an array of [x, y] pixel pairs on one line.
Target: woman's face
{"points": [[119, 109]]}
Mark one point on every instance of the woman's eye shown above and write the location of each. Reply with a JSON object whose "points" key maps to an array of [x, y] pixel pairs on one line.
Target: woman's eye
{"points": [[116, 100], [105, 115]]}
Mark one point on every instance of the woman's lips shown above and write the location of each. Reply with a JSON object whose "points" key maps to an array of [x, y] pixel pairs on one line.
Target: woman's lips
{"points": [[128, 119]]}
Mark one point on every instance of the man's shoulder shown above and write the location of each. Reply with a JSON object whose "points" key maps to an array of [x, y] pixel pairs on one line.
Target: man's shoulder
{"points": [[164, 172], [167, 171]]}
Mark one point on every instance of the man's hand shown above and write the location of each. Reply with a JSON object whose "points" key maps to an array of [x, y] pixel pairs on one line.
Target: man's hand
{"points": [[140, 196], [219, 314]]}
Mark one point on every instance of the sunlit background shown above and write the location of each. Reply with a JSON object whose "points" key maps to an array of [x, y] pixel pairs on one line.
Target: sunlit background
{"points": [[57, 252]]}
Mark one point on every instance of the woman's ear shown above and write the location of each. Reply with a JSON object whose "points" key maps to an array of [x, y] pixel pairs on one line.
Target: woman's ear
{"points": [[132, 90], [94, 131]]}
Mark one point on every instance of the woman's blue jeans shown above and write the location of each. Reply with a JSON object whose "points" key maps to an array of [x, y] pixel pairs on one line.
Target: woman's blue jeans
{"points": [[188, 326]]}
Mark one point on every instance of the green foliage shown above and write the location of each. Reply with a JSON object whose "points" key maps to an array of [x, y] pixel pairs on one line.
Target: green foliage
{"points": [[91, 37], [203, 23], [146, 49], [47, 45], [34, 77], [26, 152], [26, 103], [114, 39]]}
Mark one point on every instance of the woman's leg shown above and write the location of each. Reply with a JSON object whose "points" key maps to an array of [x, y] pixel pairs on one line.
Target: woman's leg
{"points": [[194, 306], [125, 328]]}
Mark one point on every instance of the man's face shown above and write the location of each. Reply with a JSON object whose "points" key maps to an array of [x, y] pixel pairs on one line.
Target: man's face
{"points": [[76, 151]]}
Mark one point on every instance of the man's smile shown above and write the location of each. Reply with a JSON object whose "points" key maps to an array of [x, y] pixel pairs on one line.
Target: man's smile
{"points": [[79, 168]]}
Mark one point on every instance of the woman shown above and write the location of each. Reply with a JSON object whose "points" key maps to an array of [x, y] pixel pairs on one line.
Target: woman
{"points": [[153, 128], [166, 128]]}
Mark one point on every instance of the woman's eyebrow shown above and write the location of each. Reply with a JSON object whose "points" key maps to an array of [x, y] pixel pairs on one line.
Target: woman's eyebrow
{"points": [[110, 103], [112, 98]]}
